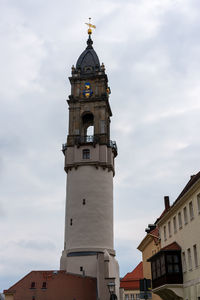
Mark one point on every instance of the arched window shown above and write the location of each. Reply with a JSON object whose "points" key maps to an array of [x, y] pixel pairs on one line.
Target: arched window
{"points": [[90, 130], [86, 153], [88, 124]]}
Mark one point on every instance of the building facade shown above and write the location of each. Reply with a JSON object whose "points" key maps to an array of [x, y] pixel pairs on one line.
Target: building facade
{"points": [[52, 285], [149, 246], [176, 267], [130, 284], [89, 164]]}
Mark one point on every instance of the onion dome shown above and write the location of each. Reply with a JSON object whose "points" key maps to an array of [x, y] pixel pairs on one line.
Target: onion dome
{"points": [[88, 61]]}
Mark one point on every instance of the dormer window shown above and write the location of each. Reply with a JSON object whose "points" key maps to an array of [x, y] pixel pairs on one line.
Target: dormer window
{"points": [[86, 153]]}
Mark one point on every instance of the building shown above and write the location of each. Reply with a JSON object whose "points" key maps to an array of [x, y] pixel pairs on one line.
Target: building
{"points": [[176, 267], [89, 164], [88, 268], [52, 285], [130, 283], [149, 246]]}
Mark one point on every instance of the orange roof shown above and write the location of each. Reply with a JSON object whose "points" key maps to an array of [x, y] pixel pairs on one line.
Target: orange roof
{"points": [[172, 246], [191, 182], [131, 281]]}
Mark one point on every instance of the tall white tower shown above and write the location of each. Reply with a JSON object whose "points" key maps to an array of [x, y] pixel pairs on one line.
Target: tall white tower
{"points": [[89, 164]]}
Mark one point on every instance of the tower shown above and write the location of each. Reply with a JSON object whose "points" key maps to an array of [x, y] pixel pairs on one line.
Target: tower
{"points": [[89, 164]]}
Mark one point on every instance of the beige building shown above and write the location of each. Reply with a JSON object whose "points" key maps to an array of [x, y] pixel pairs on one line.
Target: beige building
{"points": [[176, 267], [149, 246]]}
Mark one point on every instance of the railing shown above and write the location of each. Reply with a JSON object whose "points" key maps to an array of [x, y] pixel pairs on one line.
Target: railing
{"points": [[87, 139], [90, 139], [113, 145]]}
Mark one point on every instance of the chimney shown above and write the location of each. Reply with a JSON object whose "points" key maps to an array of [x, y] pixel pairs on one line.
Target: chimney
{"points": [[166, 200]]}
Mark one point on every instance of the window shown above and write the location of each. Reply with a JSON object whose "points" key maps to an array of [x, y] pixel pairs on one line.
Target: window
{"points": [[83, 201], [195, 256], [153, 265], [33, 285], [184, 262], [172, 263], [191, 210], [132, 297], [137, 296], [165, 236], [169, 229], [44, 285], [90, 131], [198, 203], [126, 297], [158, 268], [174, 223], [185, 215], [162, 263], [189, 259], [179, 220], [86, 154], [71, 222]]}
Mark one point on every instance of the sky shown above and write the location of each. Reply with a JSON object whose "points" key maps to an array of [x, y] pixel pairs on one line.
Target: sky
{"points": [[151, 51]]}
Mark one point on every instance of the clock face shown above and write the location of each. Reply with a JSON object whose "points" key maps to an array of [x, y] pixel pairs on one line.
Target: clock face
{"points": [[87, 92]]}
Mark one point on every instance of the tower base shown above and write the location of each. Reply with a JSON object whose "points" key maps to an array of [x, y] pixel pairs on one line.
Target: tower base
{"points": [[101, 265]]}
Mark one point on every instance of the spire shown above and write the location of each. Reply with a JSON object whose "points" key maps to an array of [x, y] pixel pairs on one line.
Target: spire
{"points": [[88, 61], [89, 42]]}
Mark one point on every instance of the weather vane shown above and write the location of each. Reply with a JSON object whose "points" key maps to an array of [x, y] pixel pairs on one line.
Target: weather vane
{"points": [[90, 26]]}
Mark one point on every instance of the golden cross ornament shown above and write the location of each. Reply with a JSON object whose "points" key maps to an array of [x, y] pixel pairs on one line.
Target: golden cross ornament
{"points": [[90, 26]]}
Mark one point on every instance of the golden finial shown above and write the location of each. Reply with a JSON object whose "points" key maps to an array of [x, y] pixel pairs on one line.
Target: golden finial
{"points": [[90, 26]]}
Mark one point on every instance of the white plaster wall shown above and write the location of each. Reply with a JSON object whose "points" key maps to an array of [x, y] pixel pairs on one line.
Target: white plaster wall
{"points": [[92, 223], [89, 264], [186, 237]]}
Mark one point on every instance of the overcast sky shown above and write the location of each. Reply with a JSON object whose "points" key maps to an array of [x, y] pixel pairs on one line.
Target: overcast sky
{"points": [[151, 50]]}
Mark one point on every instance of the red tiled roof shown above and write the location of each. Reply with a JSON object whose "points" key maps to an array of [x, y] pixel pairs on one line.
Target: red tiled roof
{"points": [[155, 234], [172, 246], [163, 213], [131, 281], [190, 183]]}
